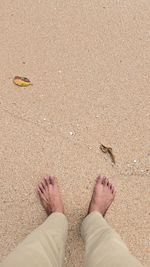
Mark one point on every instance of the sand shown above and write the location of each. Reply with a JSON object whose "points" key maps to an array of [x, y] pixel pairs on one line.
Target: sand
{"points": [[89, 63]]}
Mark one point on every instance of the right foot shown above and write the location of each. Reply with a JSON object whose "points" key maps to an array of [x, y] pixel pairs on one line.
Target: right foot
{"points": [[49, 195], [103, 195]]}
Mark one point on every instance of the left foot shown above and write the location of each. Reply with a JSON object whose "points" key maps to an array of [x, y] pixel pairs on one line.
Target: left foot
{"points": [[50, 196]]}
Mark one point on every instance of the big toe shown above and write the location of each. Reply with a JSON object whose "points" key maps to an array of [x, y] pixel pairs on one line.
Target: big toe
{"points": [[53, 181], [99, 179], [105, 181]]}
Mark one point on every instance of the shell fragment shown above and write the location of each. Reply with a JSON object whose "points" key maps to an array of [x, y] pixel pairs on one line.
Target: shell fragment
{"points": [[21, 81]]}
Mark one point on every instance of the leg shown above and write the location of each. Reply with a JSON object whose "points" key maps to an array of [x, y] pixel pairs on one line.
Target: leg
{"points": [[104, 247], [44, 246]]}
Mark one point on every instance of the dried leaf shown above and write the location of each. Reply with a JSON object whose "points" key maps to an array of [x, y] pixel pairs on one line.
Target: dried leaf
{"points": [[109, 151], [21, 81]]}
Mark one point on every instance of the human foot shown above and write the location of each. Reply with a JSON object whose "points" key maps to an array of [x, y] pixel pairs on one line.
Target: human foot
{"points": [[49, 195], [103, 195]]}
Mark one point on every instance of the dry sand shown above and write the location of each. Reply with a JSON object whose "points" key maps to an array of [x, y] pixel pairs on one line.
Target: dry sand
{"points": [[89, 62]]}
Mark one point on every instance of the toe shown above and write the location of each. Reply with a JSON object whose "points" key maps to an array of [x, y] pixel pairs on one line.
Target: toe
{"points": [[43, 184], [40, 191], [114, 191], [113, 188], [110, 186], [52, 180], [46, 180], [40, 187], [99, 179], [103, 180], [107, 182], [42, 196]]}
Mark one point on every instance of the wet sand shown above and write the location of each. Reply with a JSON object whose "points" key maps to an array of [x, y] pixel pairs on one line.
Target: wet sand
{"points": [[89, 63]]}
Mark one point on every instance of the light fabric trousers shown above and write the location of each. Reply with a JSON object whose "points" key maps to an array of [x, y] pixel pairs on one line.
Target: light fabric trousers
{"points": [[45, 247]]}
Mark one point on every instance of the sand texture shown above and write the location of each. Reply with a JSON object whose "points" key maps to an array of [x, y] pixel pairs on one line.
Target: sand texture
{"points": [[89, 62]]}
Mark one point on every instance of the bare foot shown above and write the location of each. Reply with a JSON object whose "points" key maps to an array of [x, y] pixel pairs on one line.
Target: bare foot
{"points": [[103, 195], [49, 195]]}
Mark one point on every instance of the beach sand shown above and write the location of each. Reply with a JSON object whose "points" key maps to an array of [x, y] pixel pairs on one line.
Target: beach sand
{"points": [[89, 63]]}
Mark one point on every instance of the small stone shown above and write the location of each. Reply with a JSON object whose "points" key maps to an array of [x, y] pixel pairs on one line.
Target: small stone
{"points": [[97, 116], [44, 119], [71, 133], [134, 160]]}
